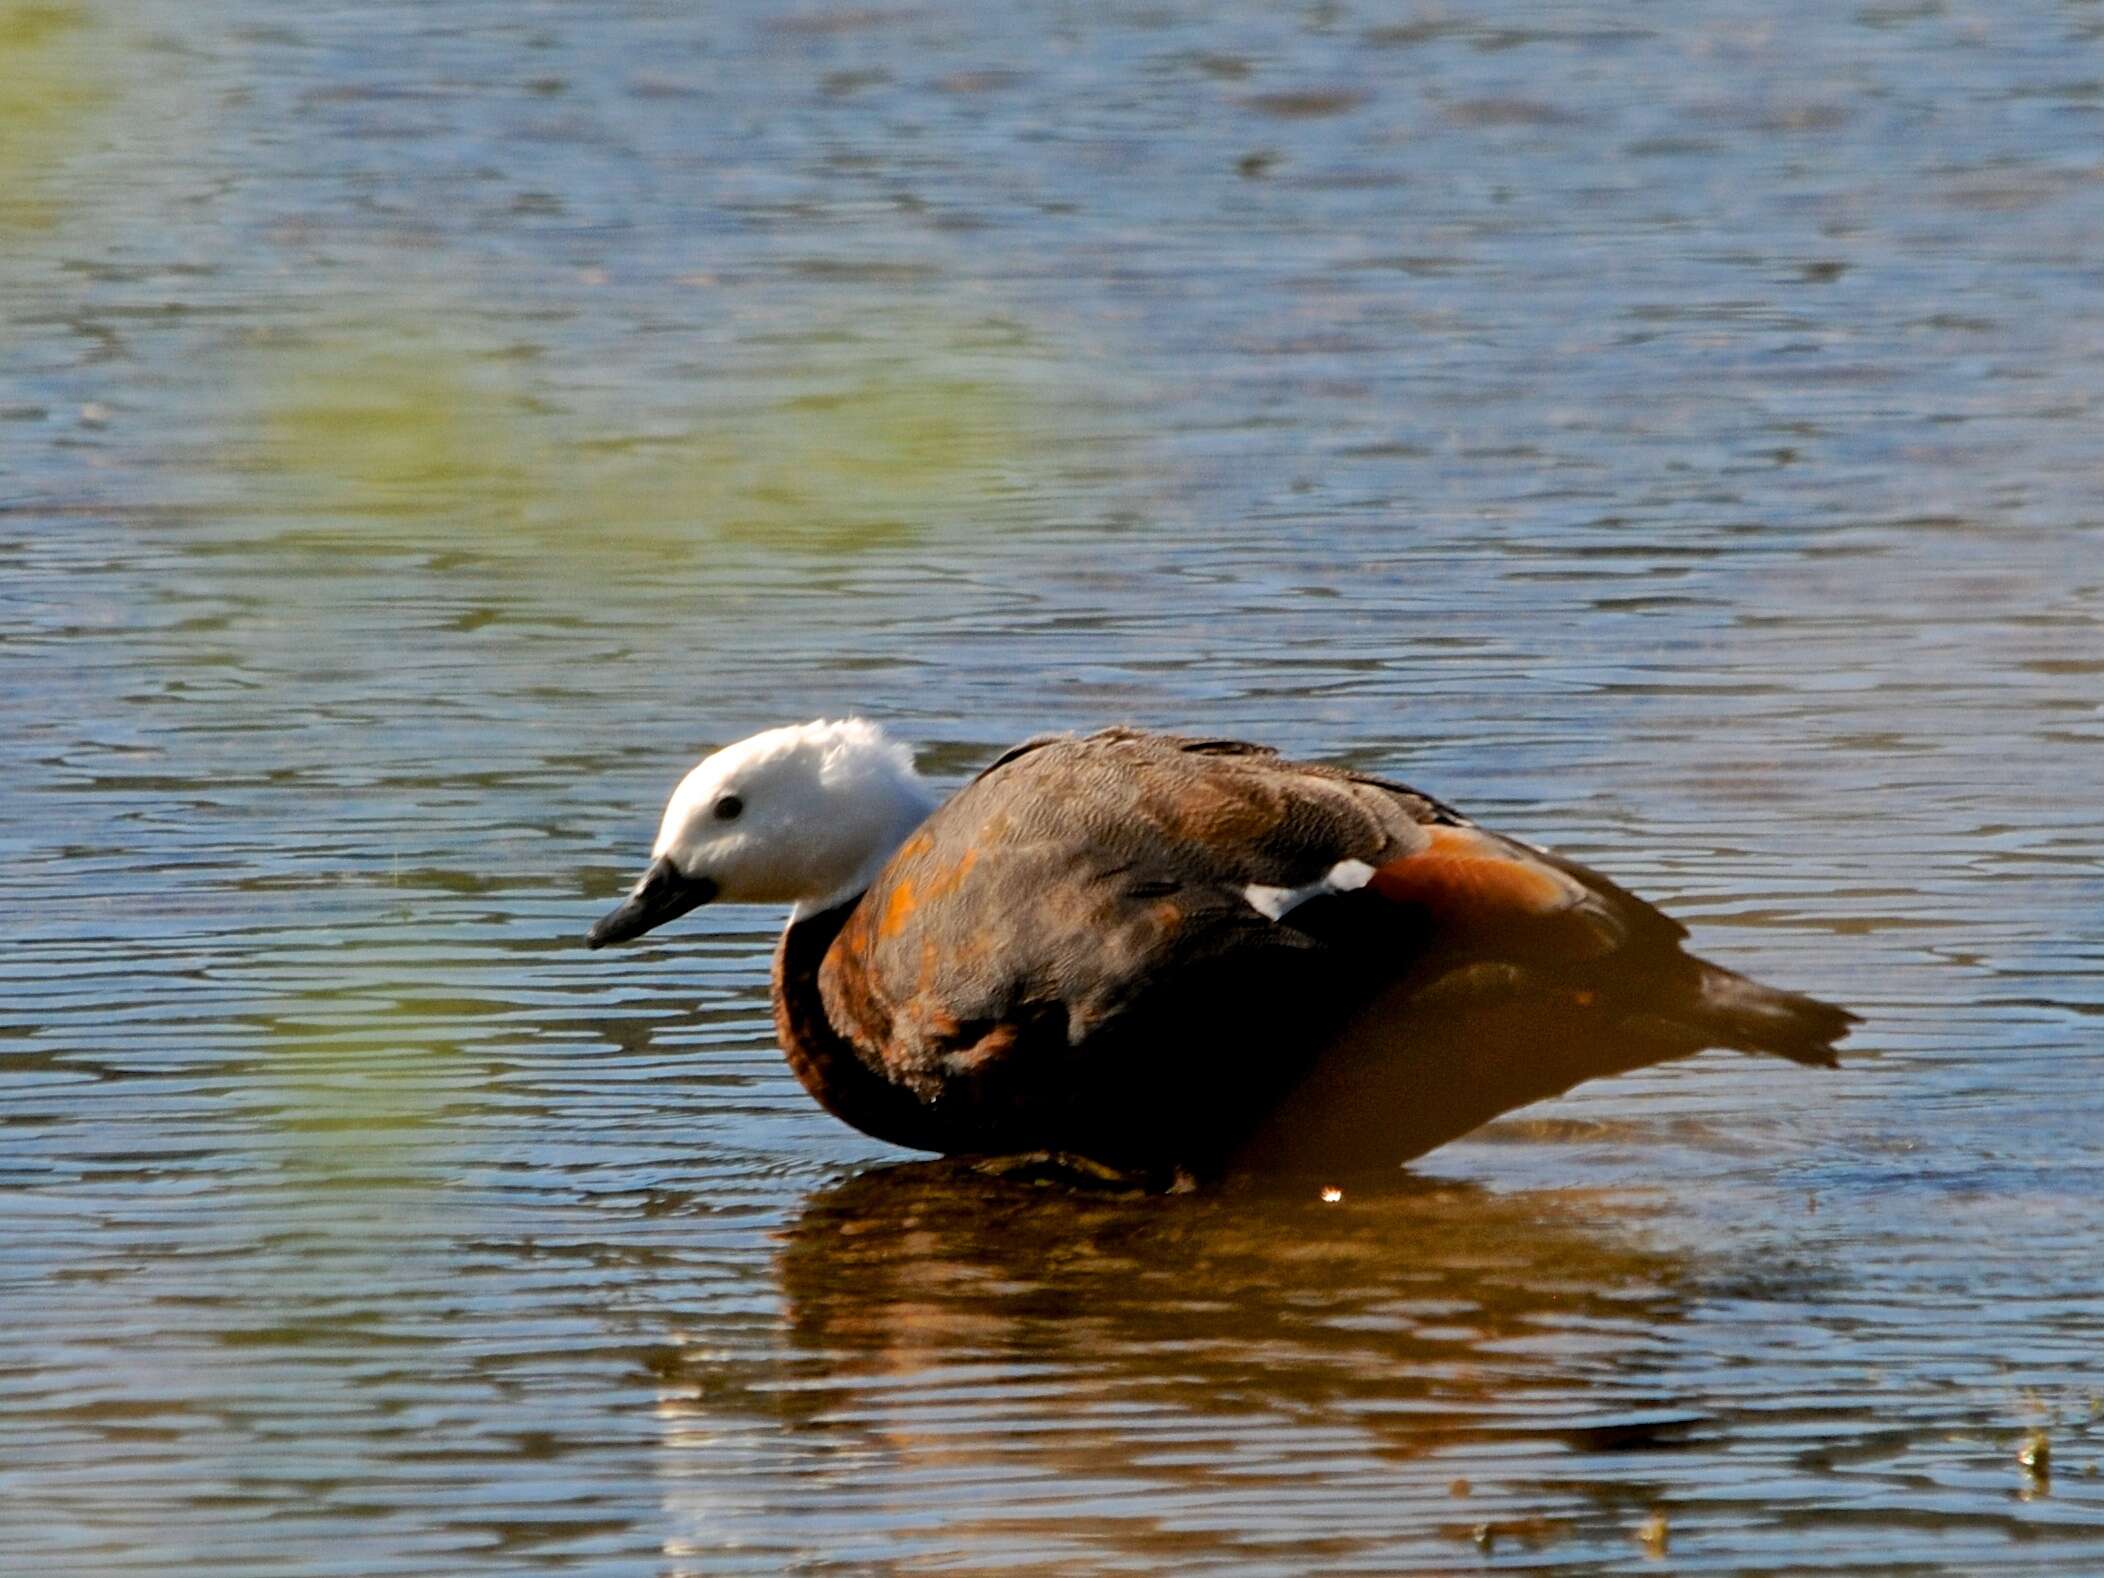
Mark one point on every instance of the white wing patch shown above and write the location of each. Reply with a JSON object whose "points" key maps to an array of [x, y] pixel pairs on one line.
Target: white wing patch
{"points": [[1347, 876]]}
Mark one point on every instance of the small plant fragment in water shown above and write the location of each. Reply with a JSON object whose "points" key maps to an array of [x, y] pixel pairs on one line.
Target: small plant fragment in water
{"points": [[1652, 1534]]}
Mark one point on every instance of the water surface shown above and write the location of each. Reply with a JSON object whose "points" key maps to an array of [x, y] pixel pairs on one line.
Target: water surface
{"points": [[1669, 434]]}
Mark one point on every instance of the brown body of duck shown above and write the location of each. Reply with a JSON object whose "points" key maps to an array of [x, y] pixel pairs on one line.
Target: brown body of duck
{"points": [[1169, 954]]}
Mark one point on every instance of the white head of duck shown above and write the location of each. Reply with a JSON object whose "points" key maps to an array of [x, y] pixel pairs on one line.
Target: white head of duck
{"points": [[804, 815]]}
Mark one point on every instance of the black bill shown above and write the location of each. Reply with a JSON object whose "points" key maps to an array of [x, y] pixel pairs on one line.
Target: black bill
{"points": [[664, 894]]}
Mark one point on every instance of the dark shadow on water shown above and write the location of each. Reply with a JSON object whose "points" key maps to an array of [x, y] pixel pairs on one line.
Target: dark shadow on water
{"points": [[1103, 1366], [1262, 1294]]}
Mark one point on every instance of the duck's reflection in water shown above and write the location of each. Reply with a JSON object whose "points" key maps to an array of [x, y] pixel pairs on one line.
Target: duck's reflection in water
{"points": [[1028, 1376]]}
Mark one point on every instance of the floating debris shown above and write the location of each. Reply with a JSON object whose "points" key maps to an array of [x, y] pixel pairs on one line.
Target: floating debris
{"points": [[1652, 1534], [1330, 1196], [1531, 1531], [2036, 1454]]}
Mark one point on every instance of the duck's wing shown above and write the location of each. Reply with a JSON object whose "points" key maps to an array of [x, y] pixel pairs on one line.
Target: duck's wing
{"points": [[1284, 833]]}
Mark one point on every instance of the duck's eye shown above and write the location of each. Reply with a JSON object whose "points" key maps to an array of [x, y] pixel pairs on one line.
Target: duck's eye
{"points": [[728, 807]]}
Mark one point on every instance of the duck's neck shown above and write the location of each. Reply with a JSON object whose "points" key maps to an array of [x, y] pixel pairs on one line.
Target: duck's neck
{"points": [[906, 803], [848, 1085]]}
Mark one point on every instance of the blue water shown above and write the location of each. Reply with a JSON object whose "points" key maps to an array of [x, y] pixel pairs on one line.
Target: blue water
{"points": [[1666, 432]]}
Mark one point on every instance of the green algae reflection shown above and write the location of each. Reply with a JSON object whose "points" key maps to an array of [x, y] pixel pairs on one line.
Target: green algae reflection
{"points": [[394, 433], [55, 60], [368, 1056], [358, 429]]}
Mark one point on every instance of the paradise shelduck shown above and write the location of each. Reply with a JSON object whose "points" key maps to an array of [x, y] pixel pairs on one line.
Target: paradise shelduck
{"points": [[1178, 957]]}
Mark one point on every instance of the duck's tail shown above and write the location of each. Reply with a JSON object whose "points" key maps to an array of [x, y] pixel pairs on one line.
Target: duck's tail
{"points": [[1420, 1067]]}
